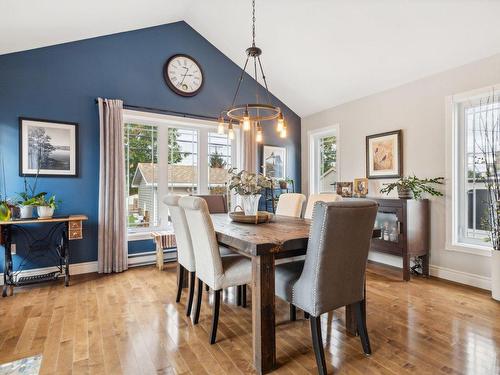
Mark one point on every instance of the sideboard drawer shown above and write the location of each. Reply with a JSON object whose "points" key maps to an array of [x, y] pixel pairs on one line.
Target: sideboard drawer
{"points": [[75, 234], [75, 224]]}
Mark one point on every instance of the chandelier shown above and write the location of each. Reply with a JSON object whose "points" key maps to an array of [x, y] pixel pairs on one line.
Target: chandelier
{"points": [[252, 114]]}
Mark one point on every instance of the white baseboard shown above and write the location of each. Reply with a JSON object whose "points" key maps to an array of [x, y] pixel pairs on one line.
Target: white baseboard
{"points": [[75, 269], [471, 279], [134, 260]]}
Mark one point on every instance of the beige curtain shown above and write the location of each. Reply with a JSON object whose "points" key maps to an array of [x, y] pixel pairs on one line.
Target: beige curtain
{"points": [[249, 150], [112, 240]]}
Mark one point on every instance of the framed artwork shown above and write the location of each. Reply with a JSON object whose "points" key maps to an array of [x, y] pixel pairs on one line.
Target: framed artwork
{"points": [[361, 187], [274, 162], [384, 155], [48, 147], [344, 189]]}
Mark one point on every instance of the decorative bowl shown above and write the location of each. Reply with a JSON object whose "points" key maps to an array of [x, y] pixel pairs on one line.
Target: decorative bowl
{"points": [[261, 217]]}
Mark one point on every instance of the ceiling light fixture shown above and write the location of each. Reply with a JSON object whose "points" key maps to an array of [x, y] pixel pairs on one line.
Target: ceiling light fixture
{"points": [[253, 114]]}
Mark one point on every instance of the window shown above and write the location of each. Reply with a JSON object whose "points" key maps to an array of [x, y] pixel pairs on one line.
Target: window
{"points": [[323, 160], [166, 154], [470, 197]]}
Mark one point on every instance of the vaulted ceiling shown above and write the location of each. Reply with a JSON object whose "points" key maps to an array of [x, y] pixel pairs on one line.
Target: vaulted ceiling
{"points": [[317, 53]]}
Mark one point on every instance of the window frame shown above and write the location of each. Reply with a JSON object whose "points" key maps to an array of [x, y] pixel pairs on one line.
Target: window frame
{"points": [[314, 157], [163, 123], [455, 170]]}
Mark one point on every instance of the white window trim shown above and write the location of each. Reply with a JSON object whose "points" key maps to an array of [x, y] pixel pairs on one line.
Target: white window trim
{"points": [[313, 157], [452, 162], [163, 122]]}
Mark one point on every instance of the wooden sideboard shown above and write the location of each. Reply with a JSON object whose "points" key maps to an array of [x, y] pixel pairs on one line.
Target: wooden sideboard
{"points": [[405, 231], [54, 241]]}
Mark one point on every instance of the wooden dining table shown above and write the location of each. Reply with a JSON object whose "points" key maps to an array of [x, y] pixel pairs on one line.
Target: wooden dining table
{"points": [[282, 237]]}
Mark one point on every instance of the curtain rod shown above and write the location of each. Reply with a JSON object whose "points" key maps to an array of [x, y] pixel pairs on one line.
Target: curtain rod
{"points": [[167, 112]]}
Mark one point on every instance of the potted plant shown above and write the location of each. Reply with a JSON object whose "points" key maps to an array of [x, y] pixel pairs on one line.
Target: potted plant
{"points": [[248, 185], [26, 203], [46, 207], [414, 187], [4, 204], [284, 183]]}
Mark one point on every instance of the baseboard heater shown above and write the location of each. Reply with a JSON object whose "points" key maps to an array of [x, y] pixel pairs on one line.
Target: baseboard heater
{"points": [[149, 257]]}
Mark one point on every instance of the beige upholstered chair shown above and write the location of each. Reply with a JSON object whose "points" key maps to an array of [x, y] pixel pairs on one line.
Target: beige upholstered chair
{"points": [[212, 269], [313, 198], [185, 254], [217, 203], [333, 272], [290, 204]]}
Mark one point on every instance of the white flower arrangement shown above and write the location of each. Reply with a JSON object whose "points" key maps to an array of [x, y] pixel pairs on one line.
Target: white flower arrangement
{"points": [[247, 183]]}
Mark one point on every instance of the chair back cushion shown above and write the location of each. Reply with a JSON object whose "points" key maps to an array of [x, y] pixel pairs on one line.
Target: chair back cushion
{"points": [[206, 249], [313, 198], [290, 204], [217, 203], [337, 252], [185, 253]]}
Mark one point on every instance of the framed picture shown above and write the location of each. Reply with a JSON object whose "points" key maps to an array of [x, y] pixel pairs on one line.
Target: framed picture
{"points": [[47, 147], [384, 155], [344, 189], [274, 162], [361, 187]]}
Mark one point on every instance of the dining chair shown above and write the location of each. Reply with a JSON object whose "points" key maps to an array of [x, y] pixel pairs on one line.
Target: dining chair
{"points": [[313, 198], [333, 273], [212, 269], [290, 204], [217, 203], [185, 254]]}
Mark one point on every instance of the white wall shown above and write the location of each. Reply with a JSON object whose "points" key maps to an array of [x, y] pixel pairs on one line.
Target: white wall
{"points": [[419, 109]]}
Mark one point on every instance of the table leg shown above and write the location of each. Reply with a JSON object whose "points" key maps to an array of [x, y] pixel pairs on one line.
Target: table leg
{"points": [[263, 313], [66, 254]]}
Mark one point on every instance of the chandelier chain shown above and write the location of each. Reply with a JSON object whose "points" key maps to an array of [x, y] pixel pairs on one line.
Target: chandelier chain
{"points": [[253, 23]]}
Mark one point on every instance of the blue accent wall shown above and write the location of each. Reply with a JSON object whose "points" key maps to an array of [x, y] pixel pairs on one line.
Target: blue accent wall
{"points": [[62, 82]]}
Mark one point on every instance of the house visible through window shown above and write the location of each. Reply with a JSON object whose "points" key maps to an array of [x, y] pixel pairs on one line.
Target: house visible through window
{"points": [[169, 155], [471, 198]]}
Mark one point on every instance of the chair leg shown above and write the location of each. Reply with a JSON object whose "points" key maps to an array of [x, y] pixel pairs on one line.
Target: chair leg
{"points": [[293, 313], [198, 302], [363, 332], [180, 281], [189, 305], [306, 315], [238, 295], [244, 296], [318, 344], [215, 316], [207, 288]]}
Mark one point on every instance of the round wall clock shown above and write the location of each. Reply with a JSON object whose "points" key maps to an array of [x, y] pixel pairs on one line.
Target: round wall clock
{"points": [[183, 75]]}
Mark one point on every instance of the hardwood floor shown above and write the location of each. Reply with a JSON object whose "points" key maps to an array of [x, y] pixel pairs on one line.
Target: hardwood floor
{"points": [[129, 323]]}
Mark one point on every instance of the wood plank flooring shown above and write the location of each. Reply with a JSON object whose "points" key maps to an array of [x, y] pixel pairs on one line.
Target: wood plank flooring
{"points": [[129, 323]]}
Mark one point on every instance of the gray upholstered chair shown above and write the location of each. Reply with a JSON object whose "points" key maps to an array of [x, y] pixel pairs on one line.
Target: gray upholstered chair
{"points": [[185, 254], [333, 272], [212, 269]]}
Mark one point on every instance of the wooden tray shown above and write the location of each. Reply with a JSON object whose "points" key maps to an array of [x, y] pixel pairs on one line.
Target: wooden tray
{"points": [[261, 217]]}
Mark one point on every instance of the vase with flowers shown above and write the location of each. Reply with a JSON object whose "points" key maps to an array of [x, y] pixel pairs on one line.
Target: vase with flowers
{"points": [[248, 186]]}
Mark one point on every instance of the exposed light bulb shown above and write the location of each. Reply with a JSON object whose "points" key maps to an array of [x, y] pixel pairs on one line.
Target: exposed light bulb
{"points": [[281, 123], [230, 132], [258, 136], [221, 127], [283, 132], [246, 121]]}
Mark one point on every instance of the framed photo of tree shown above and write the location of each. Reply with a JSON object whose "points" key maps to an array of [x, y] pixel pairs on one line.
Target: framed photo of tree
{"points": [[48, 148]]}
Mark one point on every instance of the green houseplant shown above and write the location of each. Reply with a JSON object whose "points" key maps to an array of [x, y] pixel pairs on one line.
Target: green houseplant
{"points": [[414, 187], [248, 186], [46, 207]]}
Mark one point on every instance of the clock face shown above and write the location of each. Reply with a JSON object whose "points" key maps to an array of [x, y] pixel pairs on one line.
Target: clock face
{"points": [[183, 75]]}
